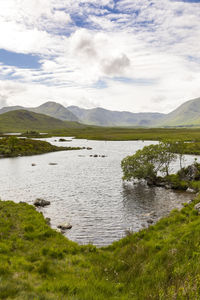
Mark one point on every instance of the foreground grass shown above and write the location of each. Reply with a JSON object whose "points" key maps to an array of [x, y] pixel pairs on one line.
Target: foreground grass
{"points": [[161, 262], [12, 146]]}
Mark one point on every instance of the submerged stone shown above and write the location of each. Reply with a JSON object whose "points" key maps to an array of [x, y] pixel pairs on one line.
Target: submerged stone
{"points": [[41, 202]]}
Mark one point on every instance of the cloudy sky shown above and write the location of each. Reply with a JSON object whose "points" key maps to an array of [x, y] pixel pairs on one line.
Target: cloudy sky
{"points": [[136, 55]]}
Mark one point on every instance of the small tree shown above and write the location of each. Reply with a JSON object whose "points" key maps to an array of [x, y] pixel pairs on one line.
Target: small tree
{"points": [[167, 156], [146, 163], [179, 148]]}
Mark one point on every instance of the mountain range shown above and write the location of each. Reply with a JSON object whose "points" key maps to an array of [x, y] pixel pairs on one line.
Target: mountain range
{"points": [[188, 114]]}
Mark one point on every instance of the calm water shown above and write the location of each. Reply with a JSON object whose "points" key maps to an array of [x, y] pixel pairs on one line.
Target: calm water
{"points": [[88, 192]]}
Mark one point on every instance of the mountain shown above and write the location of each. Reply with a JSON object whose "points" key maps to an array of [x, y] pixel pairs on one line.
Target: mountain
{"points": [[10, 108], [23, 120], [52, 109], [187, 114], [55, 110], [103, 117]]}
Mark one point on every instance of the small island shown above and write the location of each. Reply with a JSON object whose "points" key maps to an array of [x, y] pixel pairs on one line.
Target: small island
{"points": [[13, 147], [152, 164]]}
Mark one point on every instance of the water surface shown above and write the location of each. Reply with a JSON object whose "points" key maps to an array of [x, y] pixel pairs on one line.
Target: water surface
{"points": [[88, 192]]}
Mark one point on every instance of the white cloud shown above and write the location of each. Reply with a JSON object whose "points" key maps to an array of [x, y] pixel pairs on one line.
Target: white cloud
{"points": [[155, 46]]}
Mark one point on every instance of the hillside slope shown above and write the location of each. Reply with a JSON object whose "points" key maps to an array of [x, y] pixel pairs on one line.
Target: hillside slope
{"points": [[186, 114], [51, 109], [55, 110], [22, 120]]}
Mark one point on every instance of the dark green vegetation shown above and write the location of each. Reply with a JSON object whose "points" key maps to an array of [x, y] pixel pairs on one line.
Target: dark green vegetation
{"points": [[147, 162], [12, 146], [185, 115], [22, 120], [153, 160], [162, 262]]}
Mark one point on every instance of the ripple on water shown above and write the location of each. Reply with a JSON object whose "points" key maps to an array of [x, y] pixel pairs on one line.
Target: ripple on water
{"points": [[88, 192]]}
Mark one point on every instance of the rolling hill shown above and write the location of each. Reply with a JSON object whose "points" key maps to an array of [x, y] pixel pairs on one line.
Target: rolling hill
{"points": [[51, 109], [23, 120]]}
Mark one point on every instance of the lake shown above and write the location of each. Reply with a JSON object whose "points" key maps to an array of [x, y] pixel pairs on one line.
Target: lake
{"points": [[88, 191]]}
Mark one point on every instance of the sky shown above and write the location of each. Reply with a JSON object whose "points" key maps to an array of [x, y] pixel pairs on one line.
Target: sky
{"points": [[133, 55]]}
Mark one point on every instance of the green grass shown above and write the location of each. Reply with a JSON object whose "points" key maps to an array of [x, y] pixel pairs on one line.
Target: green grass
{"points": [[12, 147], [161, 262], [123, 134]]}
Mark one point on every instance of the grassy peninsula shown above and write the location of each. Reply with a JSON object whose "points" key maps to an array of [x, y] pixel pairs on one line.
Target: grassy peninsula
{"points": [[13, 146], [161, 262]]}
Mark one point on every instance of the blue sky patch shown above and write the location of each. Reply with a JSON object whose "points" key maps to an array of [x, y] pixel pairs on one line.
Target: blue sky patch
{"points": [[23, 61]]}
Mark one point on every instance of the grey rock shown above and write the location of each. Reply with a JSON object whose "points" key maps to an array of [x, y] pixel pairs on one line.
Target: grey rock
{"points": [[52, 164], [64, 226], [189, 190], [41, 202], [192, 172], [150, 221], [197, 207]]}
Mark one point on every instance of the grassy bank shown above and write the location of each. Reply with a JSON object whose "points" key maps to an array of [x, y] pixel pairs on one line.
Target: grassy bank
{"points": [[161, 262], [12, 147]]}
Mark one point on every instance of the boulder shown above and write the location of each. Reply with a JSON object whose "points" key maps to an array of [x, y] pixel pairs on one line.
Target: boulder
{"points": [[41, 202], [52, 164], [192, 173], [150, 221], [189, 190], [197, 207], [64, 226], [33, 165]]}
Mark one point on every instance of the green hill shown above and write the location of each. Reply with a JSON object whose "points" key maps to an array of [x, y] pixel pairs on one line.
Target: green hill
{"points": [[186, 114], [51, 109], [22, 120]]}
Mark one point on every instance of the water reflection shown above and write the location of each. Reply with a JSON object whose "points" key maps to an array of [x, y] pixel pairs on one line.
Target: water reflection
{"points": [[142, 203]]}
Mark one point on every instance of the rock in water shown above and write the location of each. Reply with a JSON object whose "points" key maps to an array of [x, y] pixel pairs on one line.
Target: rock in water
{"points": [[41, 202], [64, 226], [150, 221], [189, 190]]}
